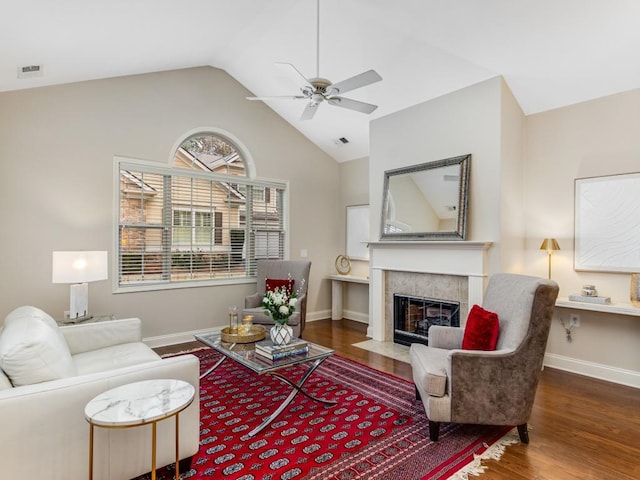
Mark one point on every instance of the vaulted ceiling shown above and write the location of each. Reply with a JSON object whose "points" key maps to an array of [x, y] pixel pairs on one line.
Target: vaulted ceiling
{"points": [[551, 53]]}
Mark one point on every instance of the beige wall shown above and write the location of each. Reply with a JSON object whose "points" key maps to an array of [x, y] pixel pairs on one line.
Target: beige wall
{"points": [[525, 194], [593, 138], [512, 191], [354, 190], [466, 121], [484, 120], [56, 177]]}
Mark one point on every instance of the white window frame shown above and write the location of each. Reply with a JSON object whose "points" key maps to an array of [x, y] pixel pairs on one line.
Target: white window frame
{"points": [[128, 163]]}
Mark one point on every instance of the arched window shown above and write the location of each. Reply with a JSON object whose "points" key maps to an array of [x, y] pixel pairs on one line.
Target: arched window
{"points": [[202, 220], [207, 151]]}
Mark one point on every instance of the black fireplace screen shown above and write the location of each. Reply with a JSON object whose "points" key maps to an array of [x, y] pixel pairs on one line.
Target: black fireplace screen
{"points": [[413, 316]]}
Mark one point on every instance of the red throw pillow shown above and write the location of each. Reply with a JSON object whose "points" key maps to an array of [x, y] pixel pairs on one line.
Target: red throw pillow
{"points": [[481, 331], [272, 283]]}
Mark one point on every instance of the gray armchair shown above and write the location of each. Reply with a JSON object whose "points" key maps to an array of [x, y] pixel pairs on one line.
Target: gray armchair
{"points": [[488, 387], [280, 269]]}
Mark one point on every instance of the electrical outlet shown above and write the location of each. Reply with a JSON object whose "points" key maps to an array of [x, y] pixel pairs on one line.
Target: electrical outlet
{"points": [[574, 320], [67, 315]]}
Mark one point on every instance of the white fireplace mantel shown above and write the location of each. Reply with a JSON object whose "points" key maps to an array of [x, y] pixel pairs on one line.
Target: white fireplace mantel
{"points": [[460, 258]]}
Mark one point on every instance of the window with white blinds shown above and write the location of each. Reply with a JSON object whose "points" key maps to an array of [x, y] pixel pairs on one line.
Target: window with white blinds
{"points": [[179, 226]]}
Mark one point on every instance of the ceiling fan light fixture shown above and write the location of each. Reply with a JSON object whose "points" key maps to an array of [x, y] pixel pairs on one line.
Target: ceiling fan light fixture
{"points": [[317, 89]]}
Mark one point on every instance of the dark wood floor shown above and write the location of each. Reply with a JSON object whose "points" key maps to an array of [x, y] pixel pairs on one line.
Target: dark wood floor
{"points": [[582, 428]]}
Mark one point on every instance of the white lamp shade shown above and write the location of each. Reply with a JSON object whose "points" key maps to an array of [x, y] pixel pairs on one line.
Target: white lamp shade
{"points": [[79, 267]]}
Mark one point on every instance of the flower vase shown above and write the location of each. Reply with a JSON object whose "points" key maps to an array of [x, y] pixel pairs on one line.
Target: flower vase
{"points": [[634, 294], [281, 334]]}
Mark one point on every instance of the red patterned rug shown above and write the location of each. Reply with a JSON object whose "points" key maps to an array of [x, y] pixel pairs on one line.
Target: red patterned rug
{"points": [[377, 430]]}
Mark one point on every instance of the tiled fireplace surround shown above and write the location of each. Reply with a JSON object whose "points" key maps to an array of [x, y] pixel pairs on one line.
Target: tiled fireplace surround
{"points": [[444, 270]]}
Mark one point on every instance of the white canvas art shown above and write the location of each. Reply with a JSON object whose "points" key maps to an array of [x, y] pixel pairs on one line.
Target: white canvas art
{"points": [[358, 232], [607, 223]]}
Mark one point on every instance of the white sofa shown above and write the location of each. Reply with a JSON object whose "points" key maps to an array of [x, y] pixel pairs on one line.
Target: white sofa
{"points": [[49, 373]]}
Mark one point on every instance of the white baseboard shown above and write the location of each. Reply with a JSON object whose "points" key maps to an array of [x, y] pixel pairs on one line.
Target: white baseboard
{"points": [[348, 314], [356, 316], [184, 337], [319, 315], [180, 337], [622, 376], [630, 378]]}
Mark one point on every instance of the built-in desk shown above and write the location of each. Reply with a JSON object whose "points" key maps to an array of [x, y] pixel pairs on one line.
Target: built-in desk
{"points": [[337, 284], [619, 308]]}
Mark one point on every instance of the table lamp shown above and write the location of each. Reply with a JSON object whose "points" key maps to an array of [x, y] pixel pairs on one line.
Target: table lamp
{"points": [[79, 268], [549, 244]]}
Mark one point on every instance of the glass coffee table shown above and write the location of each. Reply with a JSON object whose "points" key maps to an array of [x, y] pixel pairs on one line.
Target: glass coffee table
{"points": [[245, 355]]}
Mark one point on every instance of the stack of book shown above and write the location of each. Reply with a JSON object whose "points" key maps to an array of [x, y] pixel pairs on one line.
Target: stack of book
{"points": [[590, 299], [268, 350]]}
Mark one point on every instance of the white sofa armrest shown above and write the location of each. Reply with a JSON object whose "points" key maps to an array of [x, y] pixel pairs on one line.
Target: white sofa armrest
{"points": [[48, 418], [85, 337]]}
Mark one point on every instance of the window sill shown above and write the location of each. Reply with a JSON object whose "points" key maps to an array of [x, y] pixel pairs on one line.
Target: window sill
{"points": [[150, 287]]}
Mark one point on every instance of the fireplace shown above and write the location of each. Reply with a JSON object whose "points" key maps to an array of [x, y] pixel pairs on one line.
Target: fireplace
{"points": [[414, 316], [455, 271]]}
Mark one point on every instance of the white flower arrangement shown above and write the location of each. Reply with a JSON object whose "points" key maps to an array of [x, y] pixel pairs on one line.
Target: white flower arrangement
{"points": [[280, 304]]}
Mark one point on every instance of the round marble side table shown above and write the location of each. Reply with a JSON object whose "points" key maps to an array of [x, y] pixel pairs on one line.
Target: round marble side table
{"points": [[136, 404]]}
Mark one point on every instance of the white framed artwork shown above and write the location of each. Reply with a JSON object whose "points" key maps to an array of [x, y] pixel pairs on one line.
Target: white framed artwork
{"points": [[607, 223], [357, 232]]}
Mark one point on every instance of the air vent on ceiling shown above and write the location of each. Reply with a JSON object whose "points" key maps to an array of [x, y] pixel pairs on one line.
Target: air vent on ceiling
{"points": [[29, 71], [341, 141]]}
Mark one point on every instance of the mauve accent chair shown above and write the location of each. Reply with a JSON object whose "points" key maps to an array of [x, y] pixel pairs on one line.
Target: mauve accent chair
{"points": [[280, 270], [488, 387]]}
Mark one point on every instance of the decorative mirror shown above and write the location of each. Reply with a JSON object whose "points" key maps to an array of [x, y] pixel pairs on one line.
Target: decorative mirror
{"points": [[426, 201]]}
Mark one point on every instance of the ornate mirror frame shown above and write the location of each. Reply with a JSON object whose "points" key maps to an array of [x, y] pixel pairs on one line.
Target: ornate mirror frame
{"points": [[426, 201]]}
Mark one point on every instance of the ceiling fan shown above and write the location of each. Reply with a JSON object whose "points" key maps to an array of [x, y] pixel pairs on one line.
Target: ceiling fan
{"points": [[317, 90]]}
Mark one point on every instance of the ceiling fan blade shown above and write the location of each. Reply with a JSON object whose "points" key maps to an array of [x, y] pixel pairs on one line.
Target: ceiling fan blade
{"points": [[278, 97], [294, 69], [356, 105], [361, 80], [309, 111]]}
